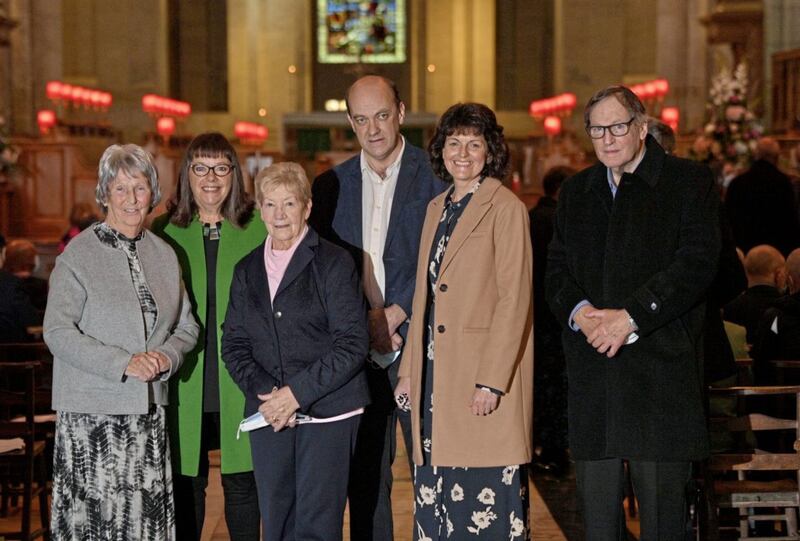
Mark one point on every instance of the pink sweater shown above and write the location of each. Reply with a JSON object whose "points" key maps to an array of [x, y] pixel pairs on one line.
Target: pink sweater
{"points": [[276, 262]]}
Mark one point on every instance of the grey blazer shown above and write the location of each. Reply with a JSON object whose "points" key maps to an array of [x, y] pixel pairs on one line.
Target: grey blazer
{"points": [[93, 325]]}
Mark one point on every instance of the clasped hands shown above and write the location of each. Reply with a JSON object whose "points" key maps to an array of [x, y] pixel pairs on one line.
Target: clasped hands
{"points": [[148, 365], [606, 330], [383, 325], [279, 408], [483, 402]]}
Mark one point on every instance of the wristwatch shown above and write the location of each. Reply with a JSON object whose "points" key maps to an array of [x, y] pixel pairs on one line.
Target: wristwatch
{"points": [[632, 323], [633, 336]]}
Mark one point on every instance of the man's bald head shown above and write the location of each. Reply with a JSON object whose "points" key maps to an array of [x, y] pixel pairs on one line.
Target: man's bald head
{"points": [[767, 149], [373, 83], [763, 265], [793, 270]]}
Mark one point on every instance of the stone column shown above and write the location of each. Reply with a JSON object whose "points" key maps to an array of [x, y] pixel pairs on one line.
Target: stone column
{"points": [[36, 57], [460, 42], [681, 58], [6, 26], [781, 23]]}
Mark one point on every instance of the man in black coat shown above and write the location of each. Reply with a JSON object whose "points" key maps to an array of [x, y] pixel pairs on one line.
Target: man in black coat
{"points": [[550, 371], [761, 203], [778, 337], [764, 266], [635, 247], [778, 334]]}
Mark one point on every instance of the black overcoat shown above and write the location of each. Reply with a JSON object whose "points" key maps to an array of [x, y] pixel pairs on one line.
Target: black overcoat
{"points": [[653, 251], [313, 337]]}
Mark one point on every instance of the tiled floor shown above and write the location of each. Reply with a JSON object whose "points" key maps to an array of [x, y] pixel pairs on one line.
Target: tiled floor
{"points": [[554, 516], [544, 527]]}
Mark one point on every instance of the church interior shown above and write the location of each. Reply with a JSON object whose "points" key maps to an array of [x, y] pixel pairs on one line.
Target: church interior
{"points": [[260, 62], [79, 75]]}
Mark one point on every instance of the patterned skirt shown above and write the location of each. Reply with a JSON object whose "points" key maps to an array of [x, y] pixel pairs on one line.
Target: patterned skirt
{"points": [[112, 478], [452, 503]]}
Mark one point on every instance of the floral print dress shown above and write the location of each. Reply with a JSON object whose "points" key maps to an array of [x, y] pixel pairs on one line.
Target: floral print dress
{"points": [[451, 502]]}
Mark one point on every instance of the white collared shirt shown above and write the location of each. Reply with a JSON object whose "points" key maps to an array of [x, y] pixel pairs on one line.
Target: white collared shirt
{"points": [[377, 195]]}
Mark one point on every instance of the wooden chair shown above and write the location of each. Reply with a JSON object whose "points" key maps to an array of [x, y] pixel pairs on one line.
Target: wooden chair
{"points": [[20, 351], [745, 493], [14, 352], [23, 472]]}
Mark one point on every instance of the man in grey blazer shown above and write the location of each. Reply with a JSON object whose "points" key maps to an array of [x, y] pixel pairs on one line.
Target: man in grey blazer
{"points": [[374, 206]]}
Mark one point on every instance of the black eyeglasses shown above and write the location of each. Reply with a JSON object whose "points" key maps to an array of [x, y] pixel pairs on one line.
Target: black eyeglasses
{"points": [[617, 130], [221, 169]]}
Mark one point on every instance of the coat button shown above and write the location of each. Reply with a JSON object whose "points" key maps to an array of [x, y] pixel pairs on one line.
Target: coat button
{"points": [[440, 328], [443, 287], [653, 306], [278, 314]]}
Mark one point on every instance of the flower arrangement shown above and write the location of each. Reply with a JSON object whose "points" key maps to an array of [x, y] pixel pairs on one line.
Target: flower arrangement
{"points": [[729, 138]]}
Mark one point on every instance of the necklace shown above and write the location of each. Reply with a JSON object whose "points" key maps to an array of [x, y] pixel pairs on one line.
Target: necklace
{"points": [[212, 231]]}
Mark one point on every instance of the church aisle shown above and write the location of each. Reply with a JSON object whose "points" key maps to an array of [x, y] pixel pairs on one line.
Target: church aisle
{"points": [[545, 527]]}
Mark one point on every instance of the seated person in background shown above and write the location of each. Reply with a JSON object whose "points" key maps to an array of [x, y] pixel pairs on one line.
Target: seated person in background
{"points": [[16, 310], [764, 266], [81, 216], [663, 133], [778, 335], [22, 261]]}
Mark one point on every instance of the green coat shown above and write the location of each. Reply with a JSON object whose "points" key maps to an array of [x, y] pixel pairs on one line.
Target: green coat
{"points": [[186, 388]]}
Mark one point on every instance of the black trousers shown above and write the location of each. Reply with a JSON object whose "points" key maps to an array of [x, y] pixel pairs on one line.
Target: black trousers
{"points": [[660, 488], [371, 472], [239, 490], [302, 475]]}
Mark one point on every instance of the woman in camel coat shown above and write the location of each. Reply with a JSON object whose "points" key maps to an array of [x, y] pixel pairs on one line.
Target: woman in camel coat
{"points": [[468, 363]]}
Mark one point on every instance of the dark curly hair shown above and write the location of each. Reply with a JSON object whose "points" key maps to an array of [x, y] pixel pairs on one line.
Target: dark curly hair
{"points": [[237, 207], [470, 118]]}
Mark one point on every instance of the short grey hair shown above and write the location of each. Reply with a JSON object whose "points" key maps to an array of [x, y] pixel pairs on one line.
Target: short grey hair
{"points": [[663, 134], [130, 159], [624, 96], [290, 175]]}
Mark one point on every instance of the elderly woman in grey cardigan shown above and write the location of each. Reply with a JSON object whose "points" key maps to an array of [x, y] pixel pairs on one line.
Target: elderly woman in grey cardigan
{"points": [[118, 323]]}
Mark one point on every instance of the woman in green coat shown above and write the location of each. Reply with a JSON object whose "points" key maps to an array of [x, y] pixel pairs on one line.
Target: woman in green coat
{"points": [[211, 225]]}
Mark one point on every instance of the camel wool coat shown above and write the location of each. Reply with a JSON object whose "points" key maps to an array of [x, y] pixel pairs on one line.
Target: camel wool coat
{"points": [[483, 332]]}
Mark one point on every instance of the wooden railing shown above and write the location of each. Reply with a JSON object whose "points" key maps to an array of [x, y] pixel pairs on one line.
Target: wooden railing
{"points": [[36, 201]]}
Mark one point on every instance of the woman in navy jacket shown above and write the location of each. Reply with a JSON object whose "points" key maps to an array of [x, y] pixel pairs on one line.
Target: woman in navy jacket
{"points": [[295, 340]]}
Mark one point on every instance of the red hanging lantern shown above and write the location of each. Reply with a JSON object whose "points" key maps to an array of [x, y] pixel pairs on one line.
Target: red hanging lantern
{"points": [[46, 119], [53, 90], [671, 116], [563, 104], [662, 87], [165, 126], [250, 133], [657, 88], [552, 125]]}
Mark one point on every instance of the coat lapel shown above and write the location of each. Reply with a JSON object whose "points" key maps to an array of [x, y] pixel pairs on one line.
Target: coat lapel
{"points": [[429, 227], [476, 209], [350, 200], [405, 180], [300, 260], [257, 275], [598, 183]]}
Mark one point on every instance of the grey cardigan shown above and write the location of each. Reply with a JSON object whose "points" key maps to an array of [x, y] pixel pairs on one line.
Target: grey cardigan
{"points": [[93, 325]]}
